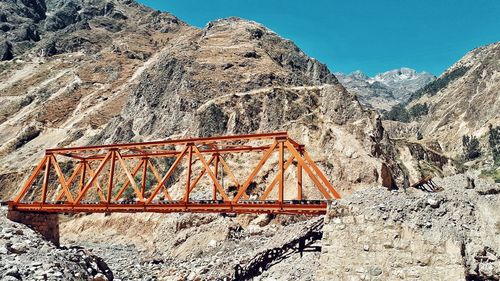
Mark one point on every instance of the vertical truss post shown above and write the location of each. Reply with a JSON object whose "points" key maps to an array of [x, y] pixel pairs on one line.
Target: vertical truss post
{"points": [[188, 177], [216, 172], [111, 176], [281, 172], [144, 174], [84, 171], [299, 177], [46, 180]]}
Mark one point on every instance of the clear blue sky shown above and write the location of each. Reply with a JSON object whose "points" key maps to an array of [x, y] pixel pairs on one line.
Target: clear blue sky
{"points": [[371, 35]]}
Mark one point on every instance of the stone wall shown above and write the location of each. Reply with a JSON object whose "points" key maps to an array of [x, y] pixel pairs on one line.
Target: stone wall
{"points": [[356, 246], [46, 224]]}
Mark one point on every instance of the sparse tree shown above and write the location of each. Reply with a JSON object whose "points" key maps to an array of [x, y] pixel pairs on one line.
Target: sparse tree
{"points": [[471, 147], [398, 113], [494, 141], [418, 110]]}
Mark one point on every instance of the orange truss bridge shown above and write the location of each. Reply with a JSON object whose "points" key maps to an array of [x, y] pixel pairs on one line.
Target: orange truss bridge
{"points": [[185, 175]]}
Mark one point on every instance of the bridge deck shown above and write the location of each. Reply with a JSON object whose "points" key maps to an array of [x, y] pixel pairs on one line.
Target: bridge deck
{"points": [[312, 207]]}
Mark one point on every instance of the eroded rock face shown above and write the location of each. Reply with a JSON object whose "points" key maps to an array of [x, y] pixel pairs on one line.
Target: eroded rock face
{"points": [[225, 58], [44, 25], [71, 72]]}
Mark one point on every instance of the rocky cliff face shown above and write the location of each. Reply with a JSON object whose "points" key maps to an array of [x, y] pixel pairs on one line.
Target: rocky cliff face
{"points": [[385, 90], [50, 27], [230, 56], [66, 85]]}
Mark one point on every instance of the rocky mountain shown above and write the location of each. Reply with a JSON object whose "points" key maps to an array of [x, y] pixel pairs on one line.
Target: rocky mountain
{"points": [[119, 72], [462, 101], [385, 90], [67, 84]]}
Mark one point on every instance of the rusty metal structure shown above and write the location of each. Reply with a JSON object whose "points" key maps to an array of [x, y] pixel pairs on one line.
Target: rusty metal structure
{"points": [[139, 177]]}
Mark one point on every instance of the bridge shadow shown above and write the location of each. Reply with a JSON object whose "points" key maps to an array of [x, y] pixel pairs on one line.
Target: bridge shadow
{"points": [[264, 260]]}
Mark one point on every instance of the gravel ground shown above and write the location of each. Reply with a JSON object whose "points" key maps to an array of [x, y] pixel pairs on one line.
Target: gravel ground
{"points": [[25, 255]]}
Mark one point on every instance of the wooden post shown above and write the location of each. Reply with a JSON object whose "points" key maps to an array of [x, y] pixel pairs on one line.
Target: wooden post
{"points": [[83, 175], [299, 181]]}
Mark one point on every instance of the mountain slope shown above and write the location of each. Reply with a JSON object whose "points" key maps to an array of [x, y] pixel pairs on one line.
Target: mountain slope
{"points": [[239, 77], [65, 86], [229, 56], [462, 101], [385, 90]]}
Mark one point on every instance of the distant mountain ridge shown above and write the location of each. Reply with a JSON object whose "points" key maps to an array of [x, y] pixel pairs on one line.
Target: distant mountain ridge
{"points": [[385, 90]]}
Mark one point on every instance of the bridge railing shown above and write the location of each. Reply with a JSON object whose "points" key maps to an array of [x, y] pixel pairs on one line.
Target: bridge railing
{"points": [[135, 177]]}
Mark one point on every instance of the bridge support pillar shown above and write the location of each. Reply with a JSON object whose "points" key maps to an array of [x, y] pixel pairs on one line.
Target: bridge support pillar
{"points": [[47, 224]]}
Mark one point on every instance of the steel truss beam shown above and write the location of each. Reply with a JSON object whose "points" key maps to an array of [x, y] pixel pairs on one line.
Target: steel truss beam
{"points": [[76, 186]]}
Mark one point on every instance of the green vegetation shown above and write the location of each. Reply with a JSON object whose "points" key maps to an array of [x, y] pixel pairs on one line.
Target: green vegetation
{"points": [[419, 110], [432, 88], [492, 173], [471, 149], [4, 66], [401, 114], [129, 192], [398, 113], [494, 142], [162, 165]]}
